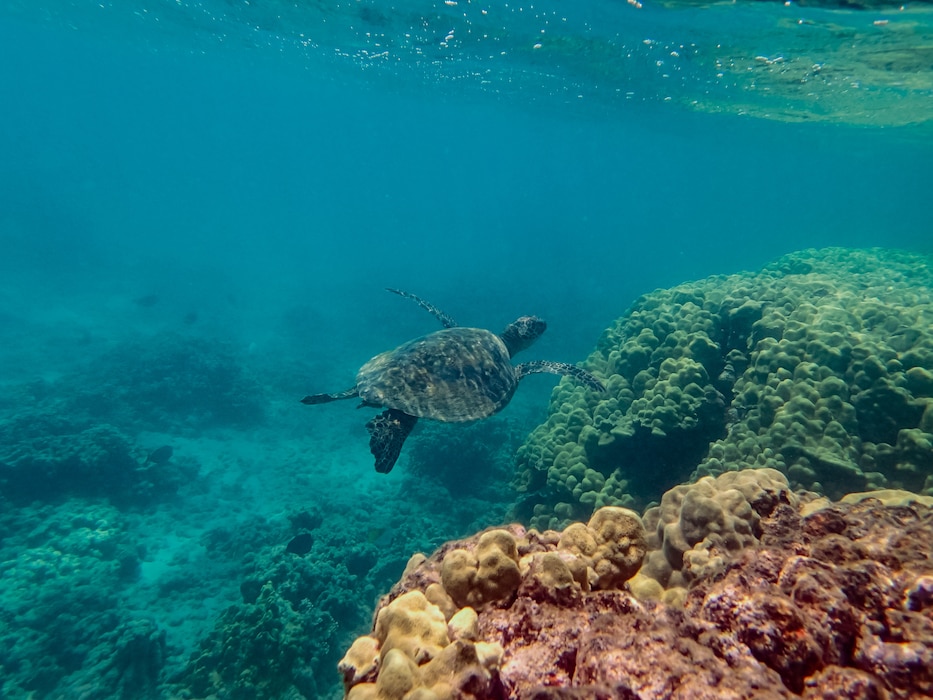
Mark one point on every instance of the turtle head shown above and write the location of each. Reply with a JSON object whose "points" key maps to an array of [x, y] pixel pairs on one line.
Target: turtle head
{"points": [[522, 332]]}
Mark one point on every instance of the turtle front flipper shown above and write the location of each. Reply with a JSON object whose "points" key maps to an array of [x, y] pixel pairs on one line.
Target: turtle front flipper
{"points": [[446, 320], [314, 399], [578, 373], [387, 433]]}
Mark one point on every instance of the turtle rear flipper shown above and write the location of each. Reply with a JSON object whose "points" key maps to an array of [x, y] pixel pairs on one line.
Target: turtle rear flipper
{"points": [[446, 320], [578, 373], [387, 433], [314, 399]]}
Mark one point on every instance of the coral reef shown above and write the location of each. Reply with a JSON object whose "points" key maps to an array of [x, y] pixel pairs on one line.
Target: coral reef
{"points": [[698, 528], [44, 456], [169, 382], [431, 635], [296, 611], [262, 648], [820, 366], [811, 599], [65, 631], [467, 459]]}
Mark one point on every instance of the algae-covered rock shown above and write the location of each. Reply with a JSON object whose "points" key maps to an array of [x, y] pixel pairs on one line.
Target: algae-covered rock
{"points": [[830, 602], [819, 366]]}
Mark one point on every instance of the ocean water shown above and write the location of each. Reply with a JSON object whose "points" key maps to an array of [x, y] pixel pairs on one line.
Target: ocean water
{"points": [[201, 204]]}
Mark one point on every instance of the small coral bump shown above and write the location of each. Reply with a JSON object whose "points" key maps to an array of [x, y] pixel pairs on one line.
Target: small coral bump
{"points": [[361, 662], [463, 625]]}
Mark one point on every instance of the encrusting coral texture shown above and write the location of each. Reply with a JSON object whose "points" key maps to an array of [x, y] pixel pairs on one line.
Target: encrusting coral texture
{"points": [[775, 595], [820, 366]]}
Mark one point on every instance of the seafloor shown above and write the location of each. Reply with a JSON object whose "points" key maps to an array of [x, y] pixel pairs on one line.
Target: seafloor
{"points": [[243, 561]]}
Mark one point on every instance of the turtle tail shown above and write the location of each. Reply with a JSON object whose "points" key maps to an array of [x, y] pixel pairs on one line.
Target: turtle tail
{"points": [[578, 373], [314, 399], [387, 433]]}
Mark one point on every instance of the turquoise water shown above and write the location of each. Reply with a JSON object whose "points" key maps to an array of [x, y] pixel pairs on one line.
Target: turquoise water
{"points": [[200, 206]]}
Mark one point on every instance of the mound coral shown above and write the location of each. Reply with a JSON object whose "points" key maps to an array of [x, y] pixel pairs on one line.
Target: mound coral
{"points": [[698, 528], [811, 599], [820, 366], [430, 638], [486, 574]]}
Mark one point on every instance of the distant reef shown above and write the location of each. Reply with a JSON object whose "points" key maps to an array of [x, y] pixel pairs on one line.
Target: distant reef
{"points": [[76, 435], [820, 366]]}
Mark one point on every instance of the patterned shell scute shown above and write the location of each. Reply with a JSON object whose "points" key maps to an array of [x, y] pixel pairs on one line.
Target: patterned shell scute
{"points": [[455, 375]]}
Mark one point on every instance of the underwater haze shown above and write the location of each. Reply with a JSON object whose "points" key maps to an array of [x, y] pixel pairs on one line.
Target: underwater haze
{"points": [[202, 203]]}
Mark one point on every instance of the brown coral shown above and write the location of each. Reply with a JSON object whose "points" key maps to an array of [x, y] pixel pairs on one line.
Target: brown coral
{"points": [[822, 601], [699, 527], [612, 544], [486, 574]]}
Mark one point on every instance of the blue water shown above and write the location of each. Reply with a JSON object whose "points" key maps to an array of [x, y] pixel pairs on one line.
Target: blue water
{"points": [[252, 176]]}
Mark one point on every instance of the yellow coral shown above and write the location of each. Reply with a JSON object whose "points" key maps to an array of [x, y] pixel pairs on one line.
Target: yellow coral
{"points": [[396, 676], [613, 544], [490, 574], [360, 661], [412, 625], [558, 570], [418, 660], [463, 625], [622, 546], [698, 525]]}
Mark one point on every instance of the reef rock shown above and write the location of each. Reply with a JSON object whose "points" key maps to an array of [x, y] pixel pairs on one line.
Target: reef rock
{"points": [[435, 634], [814, 599]]}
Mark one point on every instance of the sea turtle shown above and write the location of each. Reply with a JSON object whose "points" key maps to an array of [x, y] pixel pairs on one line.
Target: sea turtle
{"points": [[454, 375]]}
